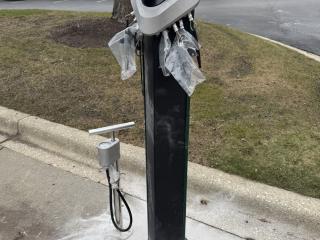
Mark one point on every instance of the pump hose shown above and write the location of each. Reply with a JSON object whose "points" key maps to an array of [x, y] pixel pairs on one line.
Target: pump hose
{"points": [[111, 207]]}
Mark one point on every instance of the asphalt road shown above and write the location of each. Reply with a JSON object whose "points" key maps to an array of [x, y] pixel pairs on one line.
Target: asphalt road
{"points": [[294, 22]]}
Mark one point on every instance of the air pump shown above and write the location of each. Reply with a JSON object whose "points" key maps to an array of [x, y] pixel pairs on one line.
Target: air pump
{"points": [[108, 156]]}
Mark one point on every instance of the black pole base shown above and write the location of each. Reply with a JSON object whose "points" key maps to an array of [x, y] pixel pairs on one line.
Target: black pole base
{"points": [[166, 123]]}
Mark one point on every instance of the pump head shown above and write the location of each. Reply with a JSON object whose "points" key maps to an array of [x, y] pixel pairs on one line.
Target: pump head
{"points": [[154, 19], [109, 150]]}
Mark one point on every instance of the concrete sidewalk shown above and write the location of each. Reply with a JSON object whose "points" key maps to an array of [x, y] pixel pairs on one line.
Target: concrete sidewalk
{"points": [[39, 201], [217, 202]]}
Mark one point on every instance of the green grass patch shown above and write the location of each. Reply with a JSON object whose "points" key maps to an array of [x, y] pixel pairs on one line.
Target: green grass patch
{"points": [[21, 13], [257, 115]]}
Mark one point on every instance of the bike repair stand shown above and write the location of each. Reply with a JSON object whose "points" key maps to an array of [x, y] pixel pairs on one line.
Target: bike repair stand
{"points": [[166, 121]]}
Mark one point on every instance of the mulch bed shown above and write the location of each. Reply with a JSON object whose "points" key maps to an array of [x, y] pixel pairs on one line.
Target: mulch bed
{"points": [[86, 33]]}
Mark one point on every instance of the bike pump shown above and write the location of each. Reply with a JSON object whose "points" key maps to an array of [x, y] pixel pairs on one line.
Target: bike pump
{"points": [[108, 156]]}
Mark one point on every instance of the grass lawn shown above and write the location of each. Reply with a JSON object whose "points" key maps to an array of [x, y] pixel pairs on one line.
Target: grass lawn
{"points": [[257, 115]]}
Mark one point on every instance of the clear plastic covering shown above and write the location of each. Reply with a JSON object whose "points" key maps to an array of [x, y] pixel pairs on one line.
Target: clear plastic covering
{"points": [[188, 40], [185, 38], [164, 48], [182, 67], [123, 48], [114, 177], [175, 59]]}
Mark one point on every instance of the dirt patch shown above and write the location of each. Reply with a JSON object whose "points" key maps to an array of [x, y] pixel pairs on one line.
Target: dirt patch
{"points": [[243, 67], [86, 33]]}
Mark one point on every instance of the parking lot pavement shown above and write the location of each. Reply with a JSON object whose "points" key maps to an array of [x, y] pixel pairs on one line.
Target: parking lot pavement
{"points": [[293, 22]]}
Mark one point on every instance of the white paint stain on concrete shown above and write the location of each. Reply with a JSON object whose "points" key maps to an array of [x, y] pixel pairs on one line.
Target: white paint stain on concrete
{"points": [[95, 228]]}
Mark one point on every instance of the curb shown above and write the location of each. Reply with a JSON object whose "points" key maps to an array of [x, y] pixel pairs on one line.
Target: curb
{"points": [[71, 143], [76, 145], [8, 123], [302, 52]]}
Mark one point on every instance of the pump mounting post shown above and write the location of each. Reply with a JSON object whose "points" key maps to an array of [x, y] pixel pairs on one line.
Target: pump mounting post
{"points": [[167, 133]]}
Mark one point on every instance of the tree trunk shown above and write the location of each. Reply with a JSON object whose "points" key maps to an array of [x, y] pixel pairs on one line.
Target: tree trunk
{"points": [[121, 8]]}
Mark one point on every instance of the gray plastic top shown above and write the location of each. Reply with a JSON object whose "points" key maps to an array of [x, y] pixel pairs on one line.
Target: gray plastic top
{"points": [[153, 20]]}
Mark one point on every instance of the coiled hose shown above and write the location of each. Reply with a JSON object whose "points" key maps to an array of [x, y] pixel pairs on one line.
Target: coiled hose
{"points": [[111, 207]]}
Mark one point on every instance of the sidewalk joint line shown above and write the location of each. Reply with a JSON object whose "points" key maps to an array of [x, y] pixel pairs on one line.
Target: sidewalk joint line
{"points": [[17, 133], [18, 124], [9, 138], [220, 229]]}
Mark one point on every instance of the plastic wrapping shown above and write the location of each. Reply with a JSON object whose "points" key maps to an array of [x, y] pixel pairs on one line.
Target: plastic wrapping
{"points": [[193, 24], [123, 48], [164, 48], [114, 177], [186, 39], [182, 67]]}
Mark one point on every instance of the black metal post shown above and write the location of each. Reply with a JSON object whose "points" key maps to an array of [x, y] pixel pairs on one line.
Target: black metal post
{"points": [[167, 125]]}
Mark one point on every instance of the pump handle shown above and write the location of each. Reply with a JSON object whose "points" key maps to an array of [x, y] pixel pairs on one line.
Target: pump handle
{"points": [[113, 128]]}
